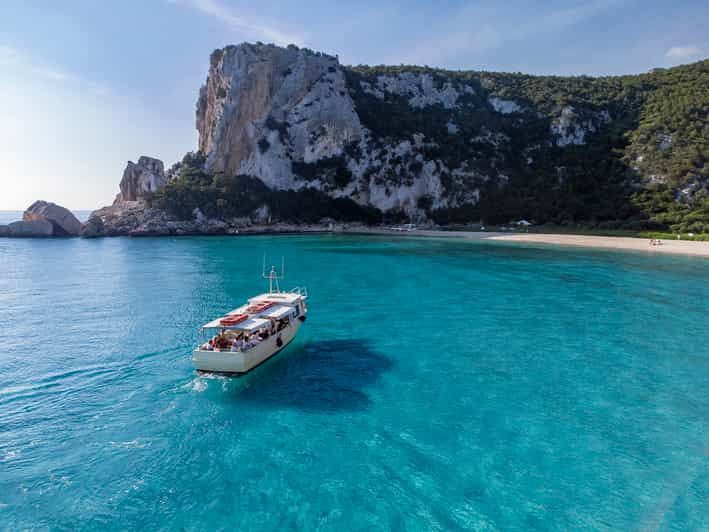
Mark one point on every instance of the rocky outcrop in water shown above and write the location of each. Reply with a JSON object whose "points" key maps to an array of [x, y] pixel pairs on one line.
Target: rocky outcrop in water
{"points": [[94, 227], [141, 179], [30, 229], [131, 210], [63, 221], [43, 219]]}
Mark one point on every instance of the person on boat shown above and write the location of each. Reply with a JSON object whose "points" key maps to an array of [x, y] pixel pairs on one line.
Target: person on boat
{"points": [[209, 346], [254, 340], [221, 342], [240, 343]]}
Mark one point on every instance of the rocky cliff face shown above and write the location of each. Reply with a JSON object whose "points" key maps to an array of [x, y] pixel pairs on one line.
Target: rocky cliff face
{"points": [[263, 107], [141, 179], [421, 142], [288, 134]]}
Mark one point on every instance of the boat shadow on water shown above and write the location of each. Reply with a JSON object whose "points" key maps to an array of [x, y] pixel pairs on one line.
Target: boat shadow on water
{"points": [[318, 376]]}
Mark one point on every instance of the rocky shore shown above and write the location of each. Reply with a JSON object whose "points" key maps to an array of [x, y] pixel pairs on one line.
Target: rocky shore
{"points": [[44, 219], [136, 219]]}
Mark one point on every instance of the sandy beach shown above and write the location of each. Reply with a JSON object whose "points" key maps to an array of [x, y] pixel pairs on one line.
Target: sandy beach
{"points": [[676, 247]]}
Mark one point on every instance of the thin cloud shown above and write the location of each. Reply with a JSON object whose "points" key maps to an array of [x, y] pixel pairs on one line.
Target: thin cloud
{"points": [[249, 26], [8, 55], [683, 52], [53, 74], [475, 28], [15, 59]]}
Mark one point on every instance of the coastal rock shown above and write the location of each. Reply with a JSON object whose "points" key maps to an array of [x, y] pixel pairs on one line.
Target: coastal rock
{"points": [[141, 179], [64, 223], [93, 227], [30, 229]]}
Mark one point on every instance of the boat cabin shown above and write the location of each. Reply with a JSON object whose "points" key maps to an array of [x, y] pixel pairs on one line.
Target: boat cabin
{"points": [[259, 319]]}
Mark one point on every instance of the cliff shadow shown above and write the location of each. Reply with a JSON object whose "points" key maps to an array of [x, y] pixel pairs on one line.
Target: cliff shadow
{"points": [[319, 376]]}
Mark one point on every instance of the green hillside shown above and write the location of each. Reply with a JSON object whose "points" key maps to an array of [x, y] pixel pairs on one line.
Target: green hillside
{"points": [[647, 167]]}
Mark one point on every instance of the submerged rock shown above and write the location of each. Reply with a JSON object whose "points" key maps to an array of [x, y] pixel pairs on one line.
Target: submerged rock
{"points": [[63, 222]]}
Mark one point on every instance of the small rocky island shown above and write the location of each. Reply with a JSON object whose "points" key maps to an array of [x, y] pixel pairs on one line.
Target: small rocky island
{"points": [[43, 219], [290, 136]]}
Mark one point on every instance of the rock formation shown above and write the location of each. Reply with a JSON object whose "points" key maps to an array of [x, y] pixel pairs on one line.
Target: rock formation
{"points": [[63, 222], [296, 119], [282, 130], [28, 229], [141, 179], [93, 227], [264, 106]]}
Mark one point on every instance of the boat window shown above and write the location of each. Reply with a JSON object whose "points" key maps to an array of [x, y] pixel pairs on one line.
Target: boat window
{"points": [[297, 311]]}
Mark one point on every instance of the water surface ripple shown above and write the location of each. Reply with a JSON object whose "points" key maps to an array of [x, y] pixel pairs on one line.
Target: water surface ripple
{"points": [[435, 386]]}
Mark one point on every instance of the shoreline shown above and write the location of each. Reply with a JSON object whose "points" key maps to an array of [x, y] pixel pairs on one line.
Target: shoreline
{"points": [[693, 248], [618, 243]]}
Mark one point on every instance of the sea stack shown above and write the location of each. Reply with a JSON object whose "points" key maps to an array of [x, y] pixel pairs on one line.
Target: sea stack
{"points": [[43, 219], [141, 179], [64, 223]]}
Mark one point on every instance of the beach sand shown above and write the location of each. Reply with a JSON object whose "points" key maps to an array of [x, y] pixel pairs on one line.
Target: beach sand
{"points": [[677, 247]]}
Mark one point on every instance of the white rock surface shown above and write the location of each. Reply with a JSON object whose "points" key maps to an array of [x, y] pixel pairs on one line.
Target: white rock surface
{"points": [[294, 101], [419, 88], [141, 178], [505, 106], [569, 130]]}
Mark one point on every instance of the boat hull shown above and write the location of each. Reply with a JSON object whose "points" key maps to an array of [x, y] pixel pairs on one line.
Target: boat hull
{"points": [[240, 362]]}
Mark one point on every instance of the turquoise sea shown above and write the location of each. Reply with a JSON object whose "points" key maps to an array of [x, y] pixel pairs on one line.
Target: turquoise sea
{"points": [[437, 385]]}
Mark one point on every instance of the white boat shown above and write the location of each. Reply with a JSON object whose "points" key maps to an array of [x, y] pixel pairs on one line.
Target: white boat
{"points": [[252, 333]]}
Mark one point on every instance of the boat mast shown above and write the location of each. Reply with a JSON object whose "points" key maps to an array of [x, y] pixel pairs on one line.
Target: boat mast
{"points": [[273, 277]]}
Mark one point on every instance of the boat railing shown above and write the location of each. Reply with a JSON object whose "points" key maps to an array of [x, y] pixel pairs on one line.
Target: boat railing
{"points": [[300, 290]]}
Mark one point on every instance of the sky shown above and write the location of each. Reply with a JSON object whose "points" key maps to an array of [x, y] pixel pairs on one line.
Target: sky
{"points": [[87, 85]]}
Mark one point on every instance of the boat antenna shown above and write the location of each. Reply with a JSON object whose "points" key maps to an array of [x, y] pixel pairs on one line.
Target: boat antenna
{"points": [[273, 276]]}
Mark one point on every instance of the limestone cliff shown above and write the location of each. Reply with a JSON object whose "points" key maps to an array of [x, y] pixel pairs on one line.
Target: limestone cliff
{"points": [[264, 106], [290, 135], [442, 145], [141, 179]]}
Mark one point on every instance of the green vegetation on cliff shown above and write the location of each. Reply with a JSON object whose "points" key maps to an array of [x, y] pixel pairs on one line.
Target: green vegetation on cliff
{"points": [[644, 161], [221, 196], [619, 152]]}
